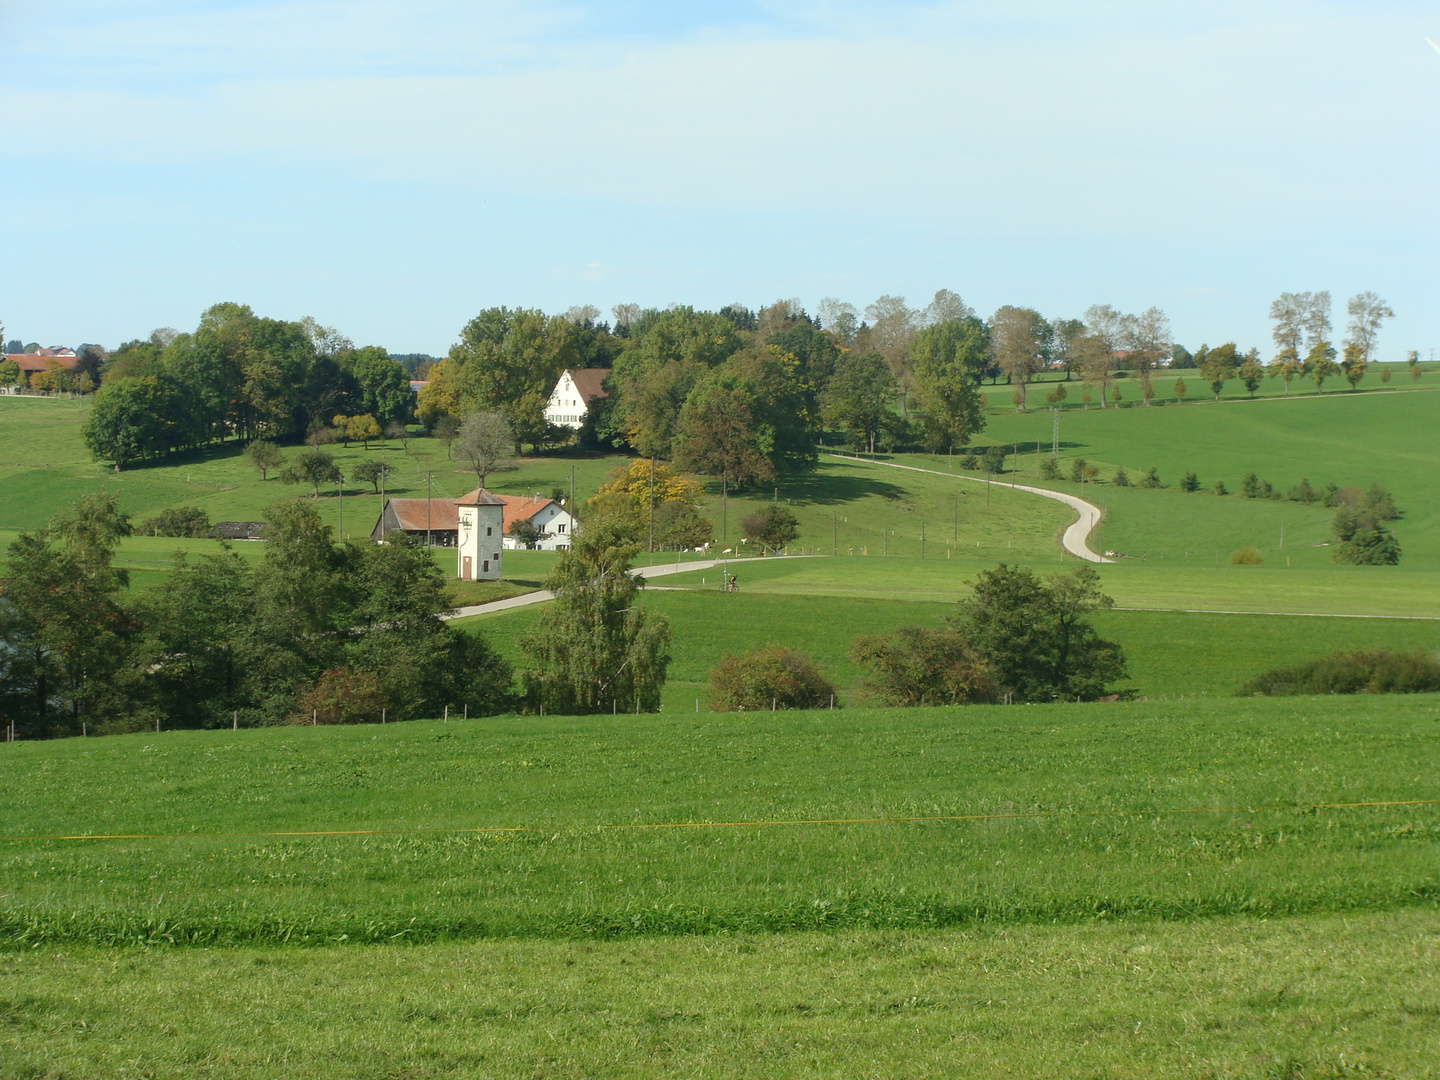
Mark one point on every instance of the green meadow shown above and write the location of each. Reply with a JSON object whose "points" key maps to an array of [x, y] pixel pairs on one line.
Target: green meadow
{"points": [[1170, 653], [1352, 995], [621, 826], [1183, 884]]}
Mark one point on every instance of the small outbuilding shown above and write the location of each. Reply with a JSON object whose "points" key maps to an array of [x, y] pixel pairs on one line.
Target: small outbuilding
{"points": [[438, 519], [237, 530]]}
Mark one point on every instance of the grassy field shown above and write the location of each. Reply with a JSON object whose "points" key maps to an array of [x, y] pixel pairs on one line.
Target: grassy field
{"points": [[1352, 996], [1000, 397], [1170, 653], [1142, 816], [1347, 439]]}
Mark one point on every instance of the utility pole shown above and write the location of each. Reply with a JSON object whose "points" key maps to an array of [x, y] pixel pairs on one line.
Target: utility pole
{"points": [[724, 509], [955, 532], [427, 508]]}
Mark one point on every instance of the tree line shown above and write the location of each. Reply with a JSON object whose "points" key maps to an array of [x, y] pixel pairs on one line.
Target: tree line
{"points": [[317, 631], [238, 376]]}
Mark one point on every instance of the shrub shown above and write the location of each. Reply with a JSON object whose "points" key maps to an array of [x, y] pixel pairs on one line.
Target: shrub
{"points": [[1377, 672], [189, 521], [1190, 483], [1049, 469], [341, 696], [968, 460], [1246, 556], [916, 665], [768, 676], [994, 460], [1303, 492], [1151, 479], [1378, 501], [1252, 487], [1122, 478], [1077, 469], [1362, 540], [1220, 488]]}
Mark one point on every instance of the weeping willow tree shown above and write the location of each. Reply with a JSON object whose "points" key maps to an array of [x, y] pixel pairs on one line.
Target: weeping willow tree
{"points": [[593, 649]]}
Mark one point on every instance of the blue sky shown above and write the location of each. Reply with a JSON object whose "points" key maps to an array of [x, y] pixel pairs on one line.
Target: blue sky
{"points": [[393, 168]]}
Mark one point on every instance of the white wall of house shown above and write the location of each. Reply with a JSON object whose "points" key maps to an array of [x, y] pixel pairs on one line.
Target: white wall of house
{"points": [[566, 407], [555, 520], [477, 555]]}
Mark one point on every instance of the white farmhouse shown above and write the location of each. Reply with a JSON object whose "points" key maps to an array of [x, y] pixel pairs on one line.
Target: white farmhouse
{"points": [[574, 397], [479, 536], [552, 519]]}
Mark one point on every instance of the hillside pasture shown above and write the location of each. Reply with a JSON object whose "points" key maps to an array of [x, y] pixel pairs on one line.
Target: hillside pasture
{"points": [[1347, 439], [1169, 653], [626, 826]]}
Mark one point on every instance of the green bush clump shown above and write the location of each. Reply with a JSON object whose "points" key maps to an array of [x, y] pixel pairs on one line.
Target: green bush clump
{"points": [[1376, 672], [187, 521], [917, 665], [769, 677], [1246, 556]]}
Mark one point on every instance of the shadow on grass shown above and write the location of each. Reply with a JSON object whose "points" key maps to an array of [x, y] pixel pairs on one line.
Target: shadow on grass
{"points": [[819, 488]]}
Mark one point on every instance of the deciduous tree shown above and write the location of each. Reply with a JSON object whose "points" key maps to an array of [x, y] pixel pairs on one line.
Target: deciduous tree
{"points": [[485, 439], [594, 649]]}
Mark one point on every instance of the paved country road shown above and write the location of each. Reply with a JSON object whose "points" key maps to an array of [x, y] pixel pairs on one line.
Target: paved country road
{"points": [[1076, 538], [647, 572]]}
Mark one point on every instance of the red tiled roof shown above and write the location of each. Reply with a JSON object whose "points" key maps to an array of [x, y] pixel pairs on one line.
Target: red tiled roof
{"points": [[520, 508], [589, 381], [410, 513], [445, 513], [41, 361]]}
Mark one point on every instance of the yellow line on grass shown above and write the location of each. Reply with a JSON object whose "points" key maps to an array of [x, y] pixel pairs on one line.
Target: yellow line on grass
{"points": [[791, 822]]}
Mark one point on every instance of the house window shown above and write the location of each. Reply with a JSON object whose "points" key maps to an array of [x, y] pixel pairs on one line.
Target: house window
{"points": [[485, 566], [497, 556], [488, 530], [560, 528]]}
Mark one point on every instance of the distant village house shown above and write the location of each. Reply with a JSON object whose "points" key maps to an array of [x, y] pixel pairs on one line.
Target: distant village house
{"points": [[572, 402], [479, 525]]}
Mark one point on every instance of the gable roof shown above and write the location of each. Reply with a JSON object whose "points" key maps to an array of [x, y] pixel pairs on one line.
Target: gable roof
{"points": [[589, 381], [410, 514], [520, 508]]}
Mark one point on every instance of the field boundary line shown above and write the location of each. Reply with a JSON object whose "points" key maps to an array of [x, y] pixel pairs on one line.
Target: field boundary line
{"points": [[790, 822], [1076, 538], [1283, 614]]}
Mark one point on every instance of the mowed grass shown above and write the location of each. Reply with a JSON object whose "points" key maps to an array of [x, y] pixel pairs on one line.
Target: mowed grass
{"points": [[1169, 653], [740, 824], [1000, 397], [1347, 439], [1317, 997], [1156, 584]]}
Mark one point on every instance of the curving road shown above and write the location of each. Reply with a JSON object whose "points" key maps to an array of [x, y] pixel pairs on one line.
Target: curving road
{"points": [[646, 572], [1077, 536]]}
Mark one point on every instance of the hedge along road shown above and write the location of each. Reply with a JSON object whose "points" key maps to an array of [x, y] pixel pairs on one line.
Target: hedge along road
{"points": [[1076, 537], [645, 572]]}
